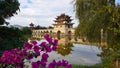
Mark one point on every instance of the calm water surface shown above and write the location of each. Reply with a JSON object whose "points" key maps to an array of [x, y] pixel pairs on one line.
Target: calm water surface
{"points": [[77, 54]]}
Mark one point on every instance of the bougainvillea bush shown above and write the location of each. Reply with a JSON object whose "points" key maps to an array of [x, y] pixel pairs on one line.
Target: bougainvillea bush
{"points": [[15, 58]]}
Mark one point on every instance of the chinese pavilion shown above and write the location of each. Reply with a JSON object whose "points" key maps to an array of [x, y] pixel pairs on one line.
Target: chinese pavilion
{"points": [[62, 27]]}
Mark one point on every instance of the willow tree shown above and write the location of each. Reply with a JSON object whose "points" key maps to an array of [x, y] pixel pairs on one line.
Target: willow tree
{"points": [[7, 9], [95, 15]]}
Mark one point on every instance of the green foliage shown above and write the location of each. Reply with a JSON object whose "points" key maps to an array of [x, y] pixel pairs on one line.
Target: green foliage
{"points": [[11, 38], [40, 27], [95, 15], [7, 9], [26, 32], [85, 66], [50, 27]]}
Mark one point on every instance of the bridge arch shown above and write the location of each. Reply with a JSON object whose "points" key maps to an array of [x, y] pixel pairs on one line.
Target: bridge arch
{"points": [[69, 35], [58, 34]]}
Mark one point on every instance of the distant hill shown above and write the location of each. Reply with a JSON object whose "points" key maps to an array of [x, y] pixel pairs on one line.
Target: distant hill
{"points": [[16, 26]]}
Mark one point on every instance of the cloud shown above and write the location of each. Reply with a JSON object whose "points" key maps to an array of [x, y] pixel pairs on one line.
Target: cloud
{"points": [[41, 12]]}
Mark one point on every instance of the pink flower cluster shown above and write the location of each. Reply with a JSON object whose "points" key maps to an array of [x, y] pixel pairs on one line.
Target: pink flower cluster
{"points": [[63, 63], [16, 57], [13, 57]]}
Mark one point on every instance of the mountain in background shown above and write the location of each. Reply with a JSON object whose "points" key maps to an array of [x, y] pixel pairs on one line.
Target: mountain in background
{"points": [[16, 26]]}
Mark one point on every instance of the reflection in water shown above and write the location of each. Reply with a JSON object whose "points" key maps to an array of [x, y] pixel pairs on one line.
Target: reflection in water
{"points": [[65, 49], [65, 46], [76, 53], [58, 34], [69, 35]]}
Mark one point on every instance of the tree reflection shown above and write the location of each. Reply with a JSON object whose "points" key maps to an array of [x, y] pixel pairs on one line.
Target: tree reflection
{"points": [[65, 49], [111, 54]]}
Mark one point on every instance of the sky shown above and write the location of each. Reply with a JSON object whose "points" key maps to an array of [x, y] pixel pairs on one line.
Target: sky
{"points": [[43, 12], [117, 1]]}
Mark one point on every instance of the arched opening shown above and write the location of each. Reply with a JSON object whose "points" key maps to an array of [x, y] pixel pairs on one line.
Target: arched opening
{"points": [[69, 35], [50, 33], [47, 32], [38, 33], [58, 34], [43, 32]]}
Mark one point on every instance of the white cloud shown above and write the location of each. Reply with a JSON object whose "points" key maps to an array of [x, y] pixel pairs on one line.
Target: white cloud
{"points": [[42, 12]]}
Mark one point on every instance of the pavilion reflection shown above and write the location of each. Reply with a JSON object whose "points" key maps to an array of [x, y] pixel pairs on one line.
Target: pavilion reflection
{"points": [[65, 47]]}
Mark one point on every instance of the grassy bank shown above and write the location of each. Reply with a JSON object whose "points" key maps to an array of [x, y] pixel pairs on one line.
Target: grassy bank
{"points": [[84, 66]]}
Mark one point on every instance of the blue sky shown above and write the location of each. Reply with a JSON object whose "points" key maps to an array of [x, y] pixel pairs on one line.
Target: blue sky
{"points": [[117, 1], [43, 12]]}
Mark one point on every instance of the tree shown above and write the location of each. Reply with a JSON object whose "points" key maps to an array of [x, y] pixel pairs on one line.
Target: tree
{"points": [[50, 27], [11, 37], [40, 27], [97, 15], [27, 33], [7, 9], [93, 16]]}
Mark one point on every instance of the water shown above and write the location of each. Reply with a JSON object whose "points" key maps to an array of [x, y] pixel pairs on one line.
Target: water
{"points": [[77, 54]]}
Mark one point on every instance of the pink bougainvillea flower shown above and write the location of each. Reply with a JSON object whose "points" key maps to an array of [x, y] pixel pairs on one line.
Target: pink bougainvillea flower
{"points": [[37, 50], [35, 65], [63, 63], [45, 55], [44, 59], [54, 48], [30, 56], [59, 63], [43, 63], [55, 42], [48, 49], [42, 44], [53, 64], [16, 56], [47, 37], [27, 45], [34, 42]]}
